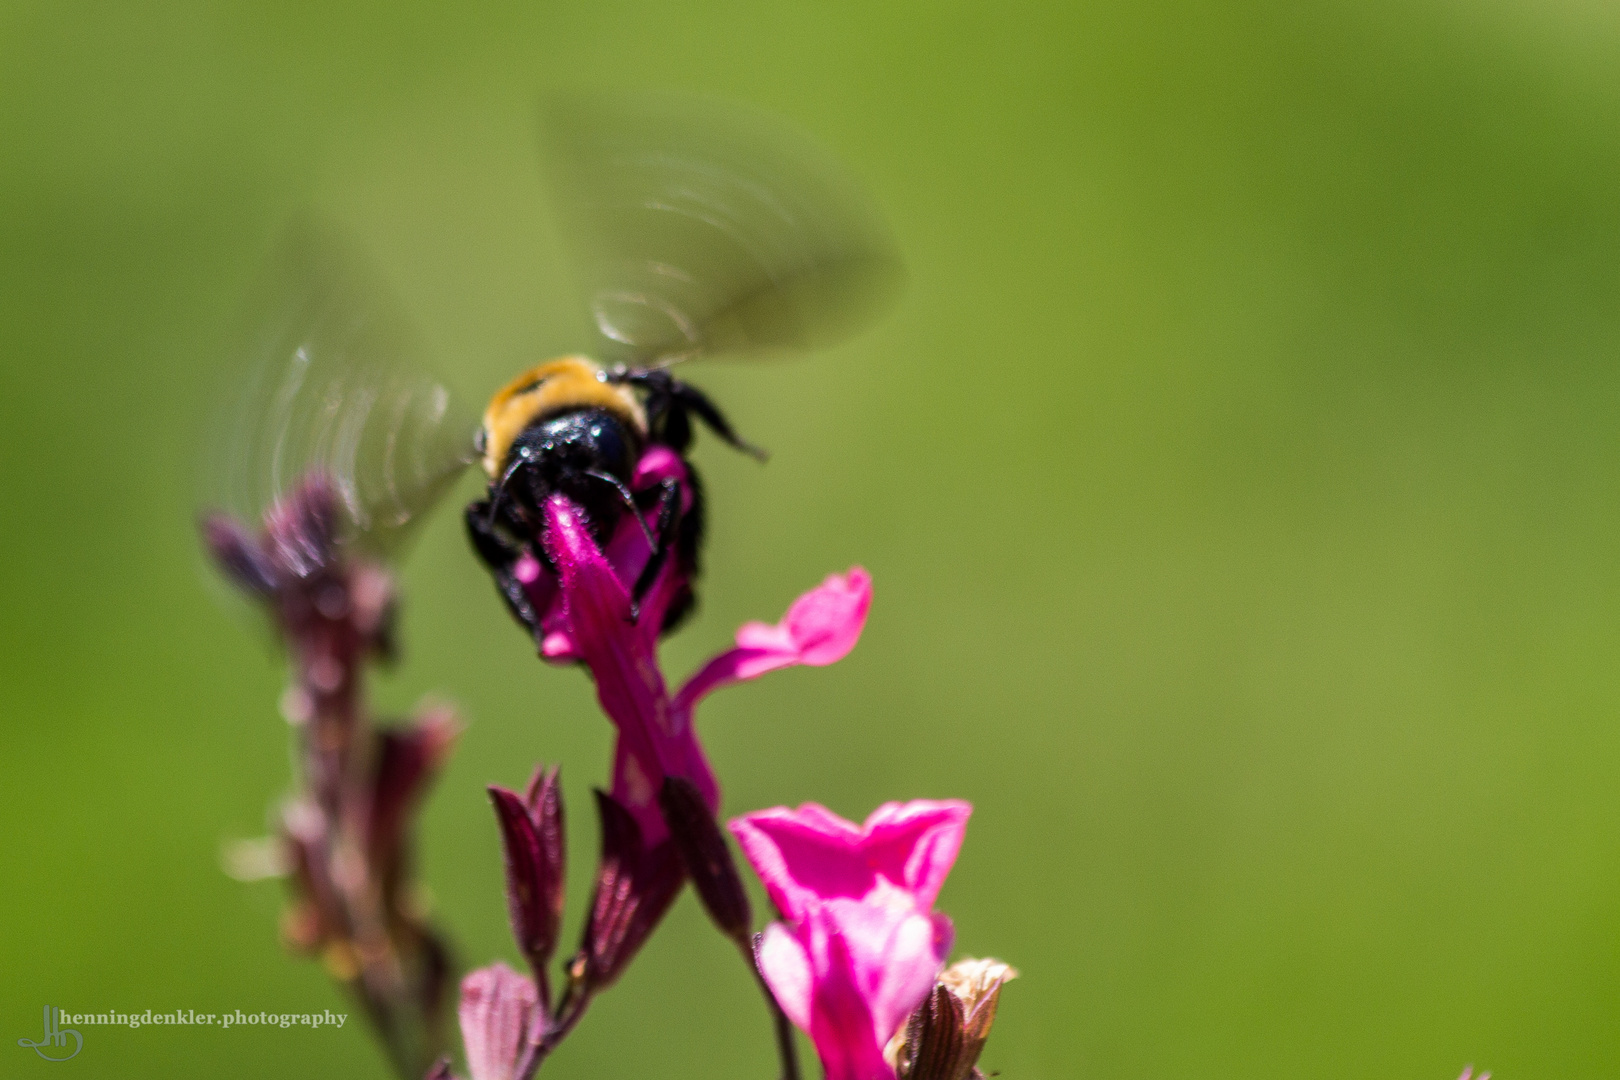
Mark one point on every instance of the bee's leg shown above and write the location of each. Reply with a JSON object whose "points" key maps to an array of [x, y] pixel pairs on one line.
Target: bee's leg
{"points": [[687, 537], [493, 549], [665, 529], [690, 398], [500, 555], [669, 401], [667, 423]]}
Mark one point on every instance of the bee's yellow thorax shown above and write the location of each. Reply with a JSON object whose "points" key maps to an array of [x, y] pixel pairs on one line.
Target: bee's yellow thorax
{"points": [[556, 386]]}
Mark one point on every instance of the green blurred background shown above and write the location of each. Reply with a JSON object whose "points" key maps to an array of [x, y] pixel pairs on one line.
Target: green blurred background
{"points": [[1238, 477]]}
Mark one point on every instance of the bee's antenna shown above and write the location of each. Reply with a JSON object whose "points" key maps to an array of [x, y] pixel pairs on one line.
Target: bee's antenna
{"points": [[629, 501]]}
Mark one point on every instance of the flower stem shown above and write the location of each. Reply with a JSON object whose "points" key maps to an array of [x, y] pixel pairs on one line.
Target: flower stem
{"points": [[570, 1009], [786, 1048]]}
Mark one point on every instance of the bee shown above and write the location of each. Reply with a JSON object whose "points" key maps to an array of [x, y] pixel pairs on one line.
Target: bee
{"points": [[696, 230], [570, 427]]}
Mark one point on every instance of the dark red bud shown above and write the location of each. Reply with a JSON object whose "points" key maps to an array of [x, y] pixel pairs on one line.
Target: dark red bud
{"points": [[407, 760], [634, 887], [707, 859], [532, 838], [440, 1071]]}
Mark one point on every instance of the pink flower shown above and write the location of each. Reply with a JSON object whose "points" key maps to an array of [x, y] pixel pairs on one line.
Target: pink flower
{"points": [[862, 945], [656, 735], [500, 1022], [820, 628]]}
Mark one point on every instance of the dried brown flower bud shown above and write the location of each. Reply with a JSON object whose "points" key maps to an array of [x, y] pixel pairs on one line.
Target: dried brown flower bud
{"points": [[944, 1037]]}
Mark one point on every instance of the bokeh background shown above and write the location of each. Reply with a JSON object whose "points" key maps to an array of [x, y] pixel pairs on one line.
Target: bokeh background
{"points": [[1238, 475]]}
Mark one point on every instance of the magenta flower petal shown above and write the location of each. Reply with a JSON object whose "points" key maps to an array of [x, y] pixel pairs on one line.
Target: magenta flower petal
{"points": [[820, 628], [630, 688], [628, 683], [636, 781], [655, 740], [849, 974], [500, 1016], [811, 854], [626, 552], [658, 464], [862, 946], [916, 844], [785, 963]]}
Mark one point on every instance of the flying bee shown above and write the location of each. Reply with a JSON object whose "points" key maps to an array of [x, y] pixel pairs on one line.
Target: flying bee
{"points": [[569, 427], [696, 230]]}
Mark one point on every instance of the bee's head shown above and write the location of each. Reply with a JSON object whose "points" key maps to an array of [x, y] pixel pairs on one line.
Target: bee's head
{"points": [[548, 390], [588, 455]]}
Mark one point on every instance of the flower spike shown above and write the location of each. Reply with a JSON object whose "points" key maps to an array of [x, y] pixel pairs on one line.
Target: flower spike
{"points": [[658, 819], [346, 834]]}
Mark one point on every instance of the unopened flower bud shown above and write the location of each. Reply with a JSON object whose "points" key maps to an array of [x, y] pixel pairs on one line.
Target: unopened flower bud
{"points": [[239, 555], [408, 758], [976, 983], [707, 859], [634, 887], [533, 843], [943, 1039]]}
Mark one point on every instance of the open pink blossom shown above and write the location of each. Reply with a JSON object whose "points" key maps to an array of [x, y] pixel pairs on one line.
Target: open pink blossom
{"points": [[820, 628], [901, 853], [656, 735], [862, 945]]}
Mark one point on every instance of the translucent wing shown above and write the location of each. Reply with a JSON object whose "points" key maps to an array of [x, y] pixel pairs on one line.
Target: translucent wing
{"points": [[704, 228], [333, 384]]}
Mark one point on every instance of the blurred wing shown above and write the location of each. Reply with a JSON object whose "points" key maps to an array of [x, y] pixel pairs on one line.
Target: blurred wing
{"points": [[333, 384], [704, 228]]}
